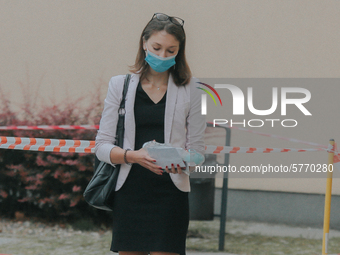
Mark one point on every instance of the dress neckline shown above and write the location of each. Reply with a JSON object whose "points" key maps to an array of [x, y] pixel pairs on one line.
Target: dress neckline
{"points": [[143, 91]]}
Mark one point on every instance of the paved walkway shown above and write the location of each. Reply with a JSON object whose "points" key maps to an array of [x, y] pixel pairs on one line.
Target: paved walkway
{"points": [[4, 240], [206, 253]]}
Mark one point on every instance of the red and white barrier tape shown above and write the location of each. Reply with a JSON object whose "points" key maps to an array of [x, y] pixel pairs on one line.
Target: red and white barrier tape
{"points": [[212, 149], [275, 136], [51, 145], [49, 127], [82, 146], [74, 127], [334, 149]]}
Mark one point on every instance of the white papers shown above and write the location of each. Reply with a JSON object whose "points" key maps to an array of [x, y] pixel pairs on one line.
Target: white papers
{"points": [[165, 156]]}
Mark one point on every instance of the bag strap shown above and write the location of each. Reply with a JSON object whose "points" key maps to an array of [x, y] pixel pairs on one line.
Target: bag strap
{"points": [[121, 110], [121, 114], [121, 119]]}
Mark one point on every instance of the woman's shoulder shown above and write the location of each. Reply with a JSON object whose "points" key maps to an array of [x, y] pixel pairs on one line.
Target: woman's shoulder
{"points": [[190, 91], [194, 80], [192, 85], [117, 78], [118, 81]]}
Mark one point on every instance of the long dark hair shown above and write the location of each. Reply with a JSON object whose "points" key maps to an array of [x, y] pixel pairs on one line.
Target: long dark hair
{"points": [[180, 71]]}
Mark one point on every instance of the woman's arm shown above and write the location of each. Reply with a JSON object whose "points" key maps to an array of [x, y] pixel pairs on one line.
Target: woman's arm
{"points": [[196, 123], [105, 138]]}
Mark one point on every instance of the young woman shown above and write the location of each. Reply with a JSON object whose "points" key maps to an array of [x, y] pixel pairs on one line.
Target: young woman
{"points": [[151, 210]]}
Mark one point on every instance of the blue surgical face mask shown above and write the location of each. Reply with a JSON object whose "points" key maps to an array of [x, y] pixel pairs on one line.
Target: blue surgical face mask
{"points": [[159, 64]]}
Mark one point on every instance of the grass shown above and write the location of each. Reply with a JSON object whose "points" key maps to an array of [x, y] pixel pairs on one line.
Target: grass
{"points": [[202, 236], [205, 238], [78, 243]]}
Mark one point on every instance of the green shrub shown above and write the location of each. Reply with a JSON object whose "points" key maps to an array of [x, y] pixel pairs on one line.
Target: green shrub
{"points": [[44, 184]]}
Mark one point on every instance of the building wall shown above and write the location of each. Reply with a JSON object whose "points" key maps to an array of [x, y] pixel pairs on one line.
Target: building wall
{"points": [[64, 48], [278, 207]]}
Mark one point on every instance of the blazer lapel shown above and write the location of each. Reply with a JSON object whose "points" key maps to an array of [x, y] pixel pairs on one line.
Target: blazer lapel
{"points": [[130, 126], [171, 98]]}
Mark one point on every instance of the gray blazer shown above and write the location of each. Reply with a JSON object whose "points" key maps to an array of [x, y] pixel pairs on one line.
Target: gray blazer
{"points": [[184, 125]]}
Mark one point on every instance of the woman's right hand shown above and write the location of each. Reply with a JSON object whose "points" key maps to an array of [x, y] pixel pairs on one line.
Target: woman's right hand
{"points": [[142, 157]]}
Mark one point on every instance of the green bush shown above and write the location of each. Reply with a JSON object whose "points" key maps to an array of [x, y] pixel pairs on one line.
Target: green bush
{"points": [[44, 184]]}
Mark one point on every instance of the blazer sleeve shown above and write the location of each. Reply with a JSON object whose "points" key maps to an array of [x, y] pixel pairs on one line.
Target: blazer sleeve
{"points": [[196, 123], [105, 138]]}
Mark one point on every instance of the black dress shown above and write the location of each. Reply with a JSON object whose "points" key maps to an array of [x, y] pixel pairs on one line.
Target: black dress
{"points": [[150, 212]]}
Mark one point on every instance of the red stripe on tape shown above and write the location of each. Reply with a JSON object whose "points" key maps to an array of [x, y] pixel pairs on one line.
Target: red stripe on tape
{"points": [[235, 149], [17, 141], [76, 144], [33, 141], [47, 143], [55, 127], [89, 148], [3, 140], [61, 144], [218, 149], [251, 150], [268, 150]]}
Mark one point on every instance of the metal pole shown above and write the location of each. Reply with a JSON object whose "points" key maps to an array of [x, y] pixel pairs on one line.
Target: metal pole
{"points": [[223, 216], [328, 197]]}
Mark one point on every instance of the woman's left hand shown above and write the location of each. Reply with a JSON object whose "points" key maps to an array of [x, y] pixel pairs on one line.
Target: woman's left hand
{"points": [[177, 170]]}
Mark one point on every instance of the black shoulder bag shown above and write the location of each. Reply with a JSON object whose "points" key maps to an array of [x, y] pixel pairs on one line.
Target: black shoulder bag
{"points": [[100, 191]]}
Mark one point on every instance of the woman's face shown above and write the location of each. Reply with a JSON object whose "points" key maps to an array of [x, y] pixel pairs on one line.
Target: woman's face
{"points": [[162, 44]]}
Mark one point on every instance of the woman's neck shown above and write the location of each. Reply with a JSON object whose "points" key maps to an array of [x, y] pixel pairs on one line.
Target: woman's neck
{"points": [[156, 78]]}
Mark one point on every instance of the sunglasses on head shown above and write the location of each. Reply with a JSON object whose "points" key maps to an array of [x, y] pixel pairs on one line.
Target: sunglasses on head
{"points": [[163, 17]]}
